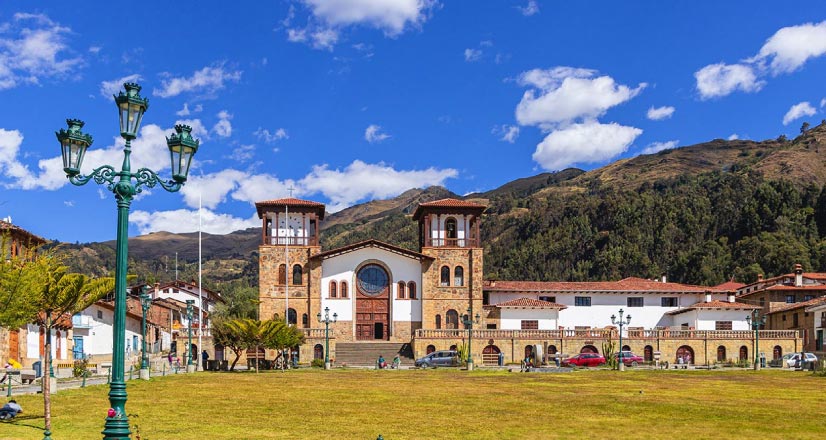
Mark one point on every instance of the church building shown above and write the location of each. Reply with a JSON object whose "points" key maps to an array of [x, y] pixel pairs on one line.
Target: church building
{"points": [[386, 298]]}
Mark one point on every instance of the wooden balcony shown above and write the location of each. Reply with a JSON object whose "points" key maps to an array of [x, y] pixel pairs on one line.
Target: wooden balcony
{"points": [[290, 241], [605, 334]]}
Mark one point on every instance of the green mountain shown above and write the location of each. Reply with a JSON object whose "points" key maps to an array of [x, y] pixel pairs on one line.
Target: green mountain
{"points": [[698, 214]]}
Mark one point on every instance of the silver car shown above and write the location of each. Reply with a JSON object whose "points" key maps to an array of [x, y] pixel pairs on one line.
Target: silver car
{"points": [[442, 358]]}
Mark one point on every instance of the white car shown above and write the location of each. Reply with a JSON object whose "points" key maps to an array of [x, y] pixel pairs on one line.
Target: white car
{"points": [[793, 359]]}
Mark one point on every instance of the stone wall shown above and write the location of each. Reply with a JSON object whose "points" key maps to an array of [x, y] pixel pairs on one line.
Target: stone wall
{"points": [[437, 299], [304, 298]]}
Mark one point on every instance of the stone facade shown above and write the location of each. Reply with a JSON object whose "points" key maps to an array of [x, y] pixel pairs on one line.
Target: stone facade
{"points": [[438, 299], [273, 291]]}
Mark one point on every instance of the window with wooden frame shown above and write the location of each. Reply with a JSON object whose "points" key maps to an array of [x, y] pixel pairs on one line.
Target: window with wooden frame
{"points": [[438, 322], [722, 325], [530, 324], [282, 274], [635, 301], [445, 277], [343, 291], [411, 290], [333, 289], [452, 319], [459, 276], [298, 275], [400, 287]]}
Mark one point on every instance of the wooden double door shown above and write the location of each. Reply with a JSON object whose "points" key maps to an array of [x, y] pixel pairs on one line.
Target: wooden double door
{"points": [[372, 319]]}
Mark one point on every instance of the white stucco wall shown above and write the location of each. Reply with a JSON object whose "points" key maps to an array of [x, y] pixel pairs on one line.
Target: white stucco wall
{"points": [[603, 305], [400, 268], [59, 347], [511, 319], [97, 339], [438, 230]]}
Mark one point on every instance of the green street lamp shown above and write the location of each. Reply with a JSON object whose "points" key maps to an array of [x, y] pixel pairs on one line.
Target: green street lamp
{"points": [[468, 322], [755, 322], [73, 144], [327, 322], [190, 367], [620, 323], [146, 302]]}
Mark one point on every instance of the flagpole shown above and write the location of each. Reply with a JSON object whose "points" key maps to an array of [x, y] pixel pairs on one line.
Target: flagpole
{"points": [[200, 290]]}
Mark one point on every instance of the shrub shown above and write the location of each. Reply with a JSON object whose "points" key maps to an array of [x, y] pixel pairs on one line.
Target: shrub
{"points": [[80, 368], [317, 363]]}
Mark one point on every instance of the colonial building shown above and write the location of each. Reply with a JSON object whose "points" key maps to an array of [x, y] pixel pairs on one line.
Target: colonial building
{"points": [[381, 293]]}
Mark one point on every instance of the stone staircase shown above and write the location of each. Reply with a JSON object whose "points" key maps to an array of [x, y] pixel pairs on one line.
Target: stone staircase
{"points": [[365, 354]]}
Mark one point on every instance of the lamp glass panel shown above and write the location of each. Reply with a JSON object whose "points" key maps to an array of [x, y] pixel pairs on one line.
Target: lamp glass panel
{"points": [[123, 109], [138, 117], [66, 148]]}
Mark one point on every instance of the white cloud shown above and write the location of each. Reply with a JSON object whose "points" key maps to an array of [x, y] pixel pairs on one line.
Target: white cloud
{"points": [[530, 9], [391, 16], [790, 47], [472, 55], [223, 127], [69, 203], [733, 137], [373, 134], [716, 80], [186, 112], [184, 220], [362, 180], [243, 153], [33, 47], [823, 103], [207, 80], [109, 88], [584, 143], [268, 137], [95, 49], [565, 94], [199, 130], [658, 113], [798, 111], [507, 133], [656, 147]]}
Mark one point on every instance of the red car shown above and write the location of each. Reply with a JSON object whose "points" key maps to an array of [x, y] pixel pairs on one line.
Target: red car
{"points": [[629, 358], [585, 360]]}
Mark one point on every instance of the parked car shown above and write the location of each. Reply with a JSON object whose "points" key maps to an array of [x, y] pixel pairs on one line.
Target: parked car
{"points": [[794, 359], [629, 358], [443, 358], [585, 360]]}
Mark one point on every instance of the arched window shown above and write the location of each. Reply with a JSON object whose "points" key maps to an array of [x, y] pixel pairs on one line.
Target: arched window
{"points": [[292, 317], [744, 353], [305, 320], [452, 319], [626, 348], [721, 353], [450, 231], [588, 349], [343, 289], [648, 353], [445, 276], [777, 352], [459, 276], [490, 355], [400, 294], [333, 289], [685, 355], [298, 277], [318, 351], [411, 290], [452, 347], [552, 349], [438, 322], [282, 274], [431, 349]]}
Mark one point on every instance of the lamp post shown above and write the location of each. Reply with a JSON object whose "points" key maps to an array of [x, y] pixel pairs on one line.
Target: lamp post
{"points": [[190, 367], [73, 144], [327, 322], [146, 301], [620, 323], [468, 321], [755, 322]]}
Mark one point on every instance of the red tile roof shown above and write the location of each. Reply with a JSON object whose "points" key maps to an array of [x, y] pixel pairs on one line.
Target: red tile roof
{"points": [[372, 243], [729, 285], [448, 203], [530, 303], [715, 304], [290, 202], [8, 227], [816, 287], [631, 284], [792, 306]]}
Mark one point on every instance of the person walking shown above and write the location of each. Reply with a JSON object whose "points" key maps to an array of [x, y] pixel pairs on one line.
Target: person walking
{"points": [[205, 357]]}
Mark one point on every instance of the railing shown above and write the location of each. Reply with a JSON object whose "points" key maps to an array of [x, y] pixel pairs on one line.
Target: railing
{"points": [[81, 321], [605, 334], [291, 241], [451, 242], [314, 332], [183, 332]]}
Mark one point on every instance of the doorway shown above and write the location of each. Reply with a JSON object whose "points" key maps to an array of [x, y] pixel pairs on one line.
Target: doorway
{"points": [[372, 303]]}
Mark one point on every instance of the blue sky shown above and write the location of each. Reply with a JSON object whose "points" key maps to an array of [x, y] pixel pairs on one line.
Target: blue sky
{"points": [[351, 100]]}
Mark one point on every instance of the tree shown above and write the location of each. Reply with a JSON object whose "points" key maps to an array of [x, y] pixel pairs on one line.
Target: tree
{"points": [[62, 294], [20, 278], [243, 334], [804, 127]]}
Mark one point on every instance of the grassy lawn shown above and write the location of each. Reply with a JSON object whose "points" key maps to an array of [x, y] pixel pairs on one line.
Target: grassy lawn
{"points": [[447, 404]]}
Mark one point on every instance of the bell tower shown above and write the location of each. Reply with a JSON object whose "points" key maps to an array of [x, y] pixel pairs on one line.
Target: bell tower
{"points": [[449, 231], [286, 276]]}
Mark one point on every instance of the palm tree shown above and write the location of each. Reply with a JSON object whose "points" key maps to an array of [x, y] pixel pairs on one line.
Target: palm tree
{"points": [[62, 294]]}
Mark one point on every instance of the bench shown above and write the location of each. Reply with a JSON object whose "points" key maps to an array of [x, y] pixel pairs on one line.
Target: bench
{"points": [[21, 376]]}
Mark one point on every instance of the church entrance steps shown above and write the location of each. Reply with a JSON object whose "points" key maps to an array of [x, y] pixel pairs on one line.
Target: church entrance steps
{"points": [[365, 354]]}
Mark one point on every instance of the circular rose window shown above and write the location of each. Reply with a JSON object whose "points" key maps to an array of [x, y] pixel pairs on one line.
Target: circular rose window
{"points": [[372, 280]]}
